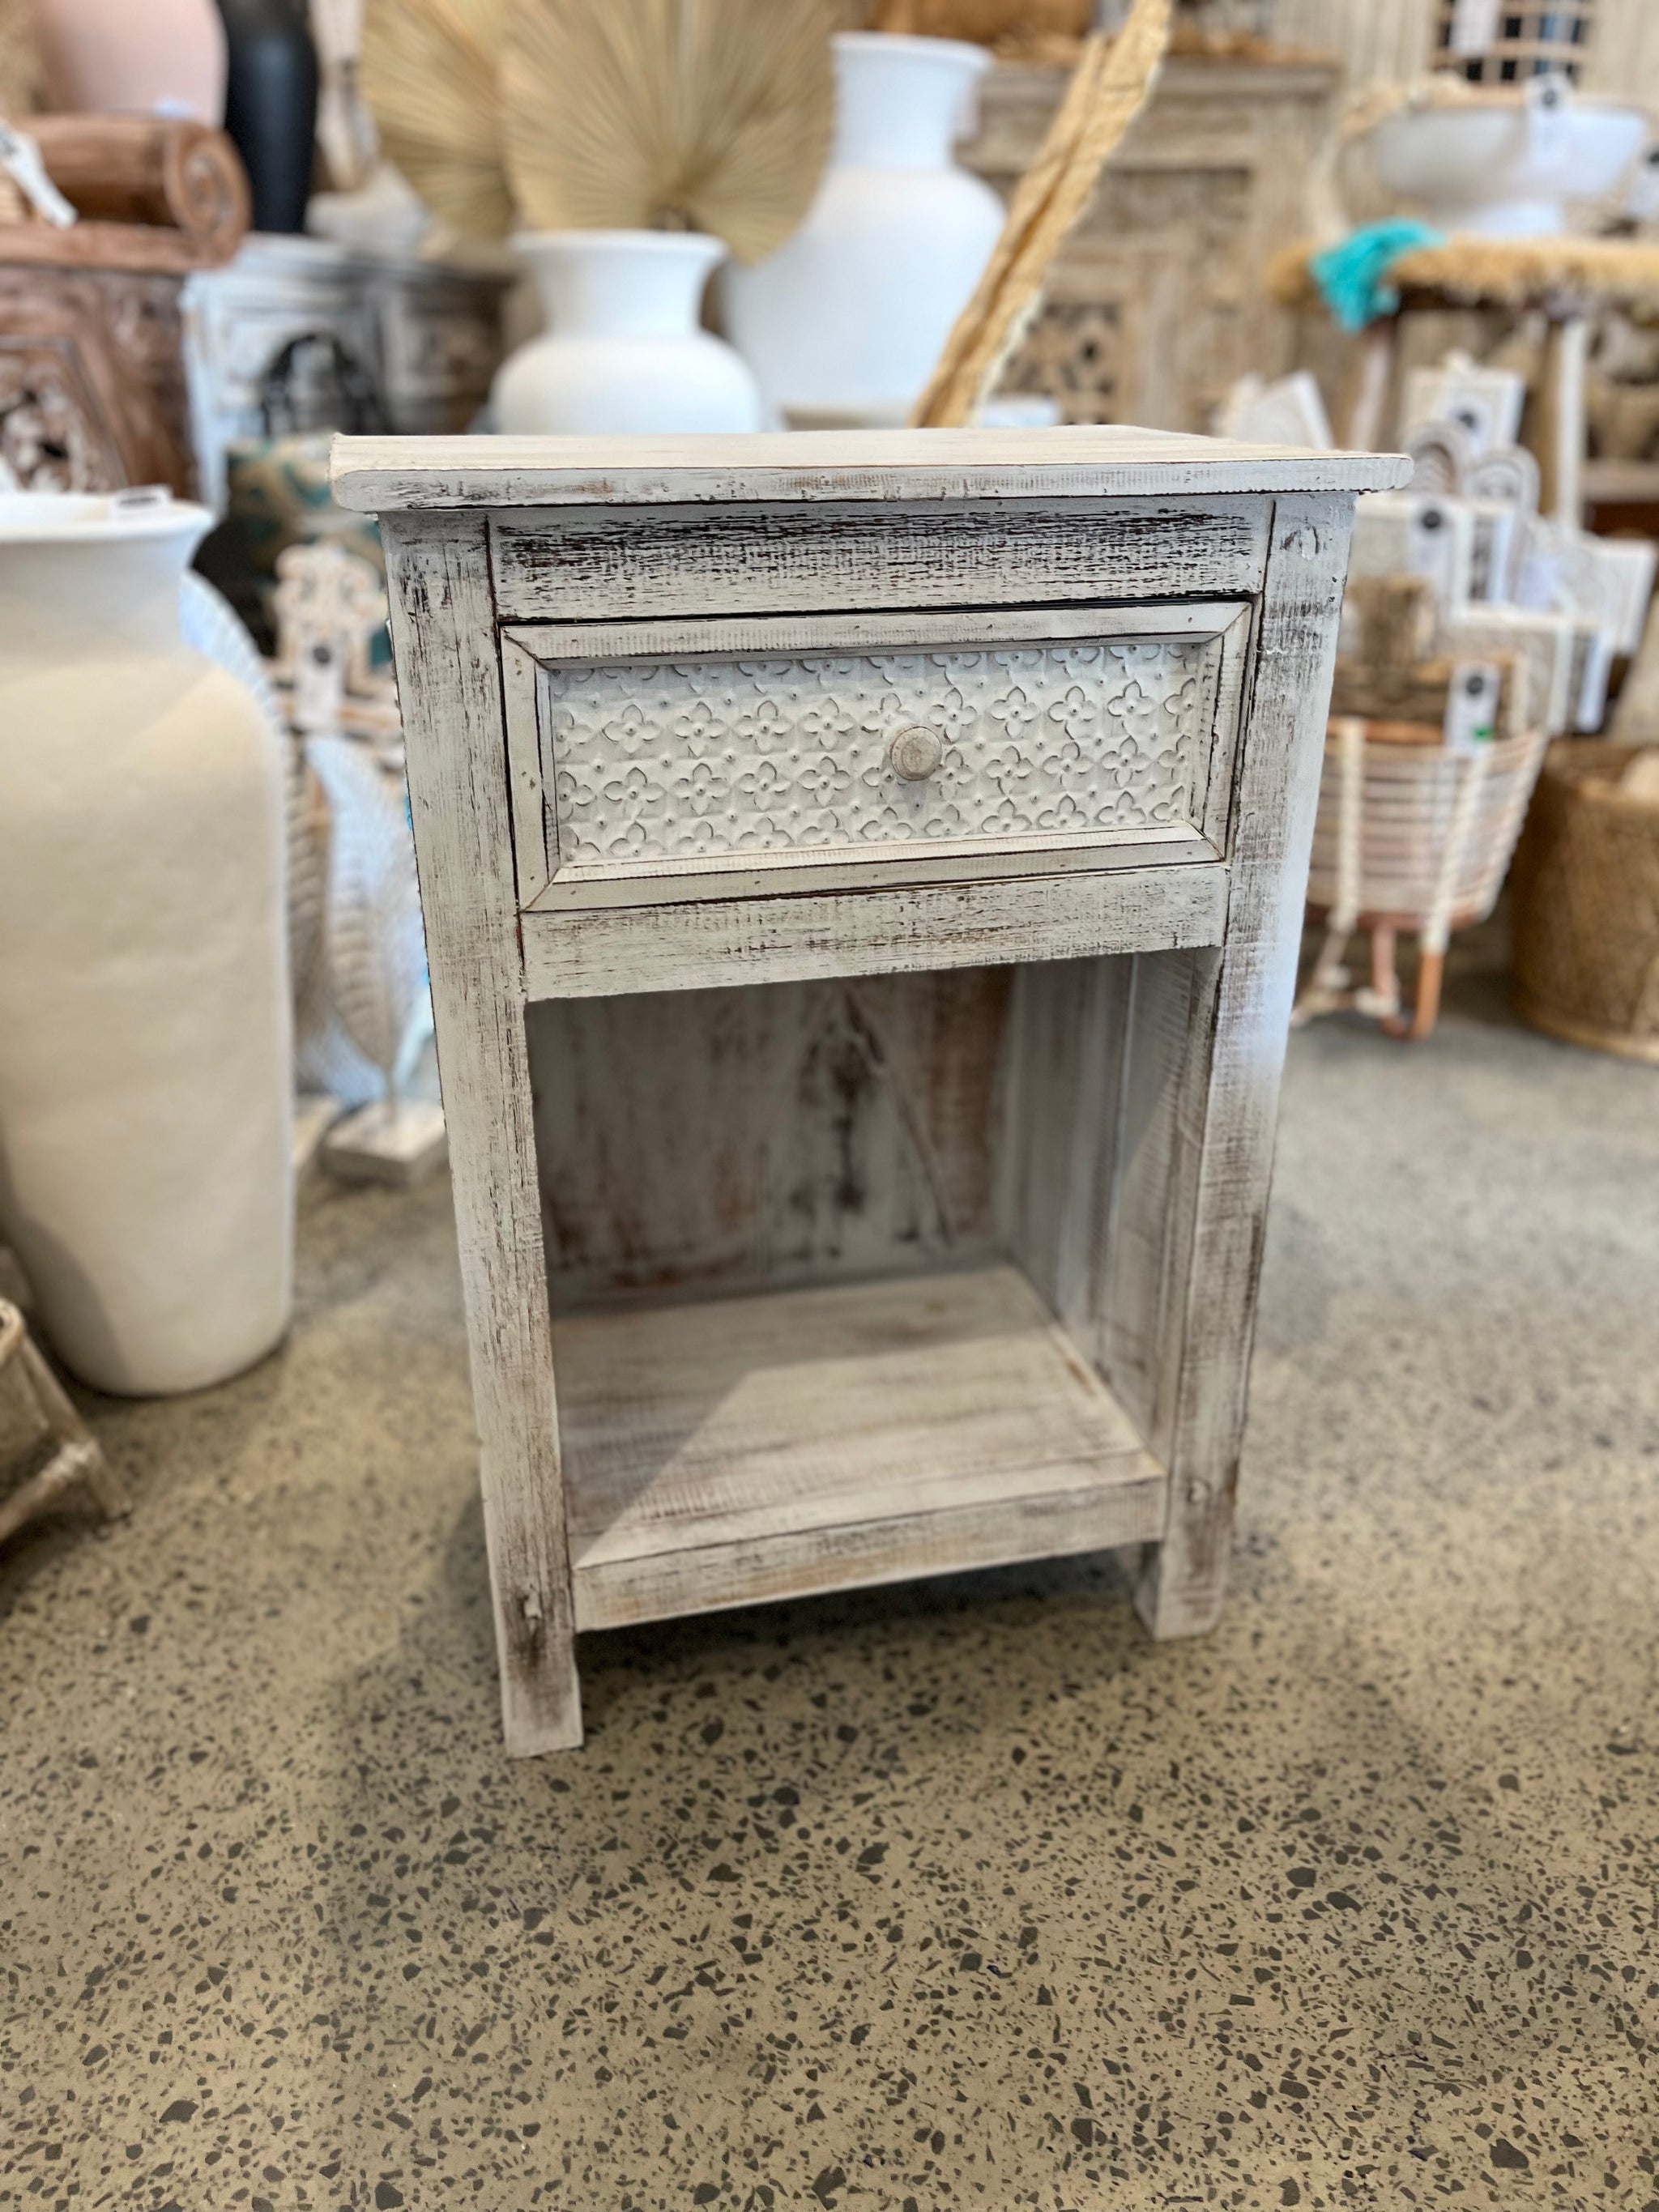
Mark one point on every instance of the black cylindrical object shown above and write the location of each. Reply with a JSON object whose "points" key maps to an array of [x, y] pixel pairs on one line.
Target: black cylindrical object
{"points": [[270, 105]]}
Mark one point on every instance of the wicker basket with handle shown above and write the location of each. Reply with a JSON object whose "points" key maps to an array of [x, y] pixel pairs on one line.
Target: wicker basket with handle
{"points": [[1587, 904], [1409, 837]]}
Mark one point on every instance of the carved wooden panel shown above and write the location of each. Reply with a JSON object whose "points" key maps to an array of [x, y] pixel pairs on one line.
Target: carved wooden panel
{"points": [[52, 434], [655, 758], [1156, 303], [92, 380]]}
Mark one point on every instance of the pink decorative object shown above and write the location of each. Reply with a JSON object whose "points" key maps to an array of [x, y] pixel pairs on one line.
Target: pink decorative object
{"points": [[111, 57]]}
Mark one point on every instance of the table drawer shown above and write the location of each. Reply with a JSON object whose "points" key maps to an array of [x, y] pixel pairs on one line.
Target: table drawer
{"points": [[655, 761]]}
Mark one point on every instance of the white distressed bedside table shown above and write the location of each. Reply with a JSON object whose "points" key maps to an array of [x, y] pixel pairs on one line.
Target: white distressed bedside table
{"points": [[863, 878]]}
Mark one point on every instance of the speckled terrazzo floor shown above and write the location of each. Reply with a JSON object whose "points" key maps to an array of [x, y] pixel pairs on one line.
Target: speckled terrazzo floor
{"points": [[959, 1896]]}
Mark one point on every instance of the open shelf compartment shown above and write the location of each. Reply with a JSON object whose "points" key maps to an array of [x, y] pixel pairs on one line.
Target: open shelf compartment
{"points": [[745, 1448]]}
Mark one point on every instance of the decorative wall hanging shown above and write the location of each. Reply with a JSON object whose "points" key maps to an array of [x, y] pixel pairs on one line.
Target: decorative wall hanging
{"points": [[705, 115], [843, 323], [145, 1089], [429, 73]]}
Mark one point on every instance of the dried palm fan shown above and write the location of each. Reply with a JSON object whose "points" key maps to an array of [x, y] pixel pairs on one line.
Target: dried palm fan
{"points": [[711, 115], [428, 73], [1112, 82]]}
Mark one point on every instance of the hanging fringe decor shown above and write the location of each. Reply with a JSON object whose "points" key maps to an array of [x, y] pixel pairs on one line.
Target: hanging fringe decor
{"points": [[1111, 84]]}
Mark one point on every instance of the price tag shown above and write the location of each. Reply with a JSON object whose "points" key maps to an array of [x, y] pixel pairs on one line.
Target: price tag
{"points": [[1431, 549], [318, 683], [1472, 412], [1549, 112], [1472, 706]]}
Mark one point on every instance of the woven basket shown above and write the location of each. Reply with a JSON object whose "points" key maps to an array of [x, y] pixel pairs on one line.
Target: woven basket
{"points": [[1412, 837], [1434, 834], [1587, 905]]}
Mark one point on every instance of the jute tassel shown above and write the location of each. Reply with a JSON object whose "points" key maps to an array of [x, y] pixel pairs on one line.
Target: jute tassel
{"points": [[1109, 86]]}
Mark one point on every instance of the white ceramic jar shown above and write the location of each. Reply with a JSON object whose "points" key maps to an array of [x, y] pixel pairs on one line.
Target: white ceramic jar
{"points": [[622, 350], [845, 324], [146, 1178]]}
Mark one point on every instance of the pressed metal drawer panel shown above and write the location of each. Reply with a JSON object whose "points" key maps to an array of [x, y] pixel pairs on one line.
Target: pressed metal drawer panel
{"points": [[676, 769]]}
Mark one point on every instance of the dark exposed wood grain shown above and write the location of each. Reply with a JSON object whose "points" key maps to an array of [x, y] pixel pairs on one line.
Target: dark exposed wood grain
{"points": [[589, 564]]}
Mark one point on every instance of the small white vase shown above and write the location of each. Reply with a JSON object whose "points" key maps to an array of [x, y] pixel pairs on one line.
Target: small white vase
{"points": [[146, 1179], [622, 351], [845, 323]]}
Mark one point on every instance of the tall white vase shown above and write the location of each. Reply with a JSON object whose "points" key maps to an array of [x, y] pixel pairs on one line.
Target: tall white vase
{"points": [[845, 322], [622, 350], [146, 1178]]}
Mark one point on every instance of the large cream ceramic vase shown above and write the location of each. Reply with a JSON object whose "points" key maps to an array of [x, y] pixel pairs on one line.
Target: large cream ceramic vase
{"points": [[845, 323], [151, 57], [146, 1179]]}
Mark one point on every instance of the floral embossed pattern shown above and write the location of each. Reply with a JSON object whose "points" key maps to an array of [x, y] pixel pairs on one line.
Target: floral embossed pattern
{"points": [[654, 760]]}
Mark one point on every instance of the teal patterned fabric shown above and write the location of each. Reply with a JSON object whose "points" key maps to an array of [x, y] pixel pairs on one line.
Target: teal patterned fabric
{"points": [[278, 495]]}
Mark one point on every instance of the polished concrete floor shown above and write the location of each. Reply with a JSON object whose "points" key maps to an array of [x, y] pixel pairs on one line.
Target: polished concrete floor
{"points": [[958, 1895]]}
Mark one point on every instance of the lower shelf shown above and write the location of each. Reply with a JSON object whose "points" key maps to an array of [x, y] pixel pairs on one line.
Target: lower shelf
{"points": [[747, 1448]]}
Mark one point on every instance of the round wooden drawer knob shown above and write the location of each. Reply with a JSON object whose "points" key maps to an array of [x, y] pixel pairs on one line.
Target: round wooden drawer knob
{"points": [[917, 753]]}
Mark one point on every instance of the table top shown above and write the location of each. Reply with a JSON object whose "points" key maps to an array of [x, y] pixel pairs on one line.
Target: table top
{"points": [[377, 476]]}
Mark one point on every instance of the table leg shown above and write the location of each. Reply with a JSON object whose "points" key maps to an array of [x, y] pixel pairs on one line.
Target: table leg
{"points": [[443, 620]]}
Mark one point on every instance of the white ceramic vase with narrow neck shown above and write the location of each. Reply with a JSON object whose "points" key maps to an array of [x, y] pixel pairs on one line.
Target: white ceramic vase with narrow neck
{"points": [[845, 323], [146, 1070], [622, 351]]}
